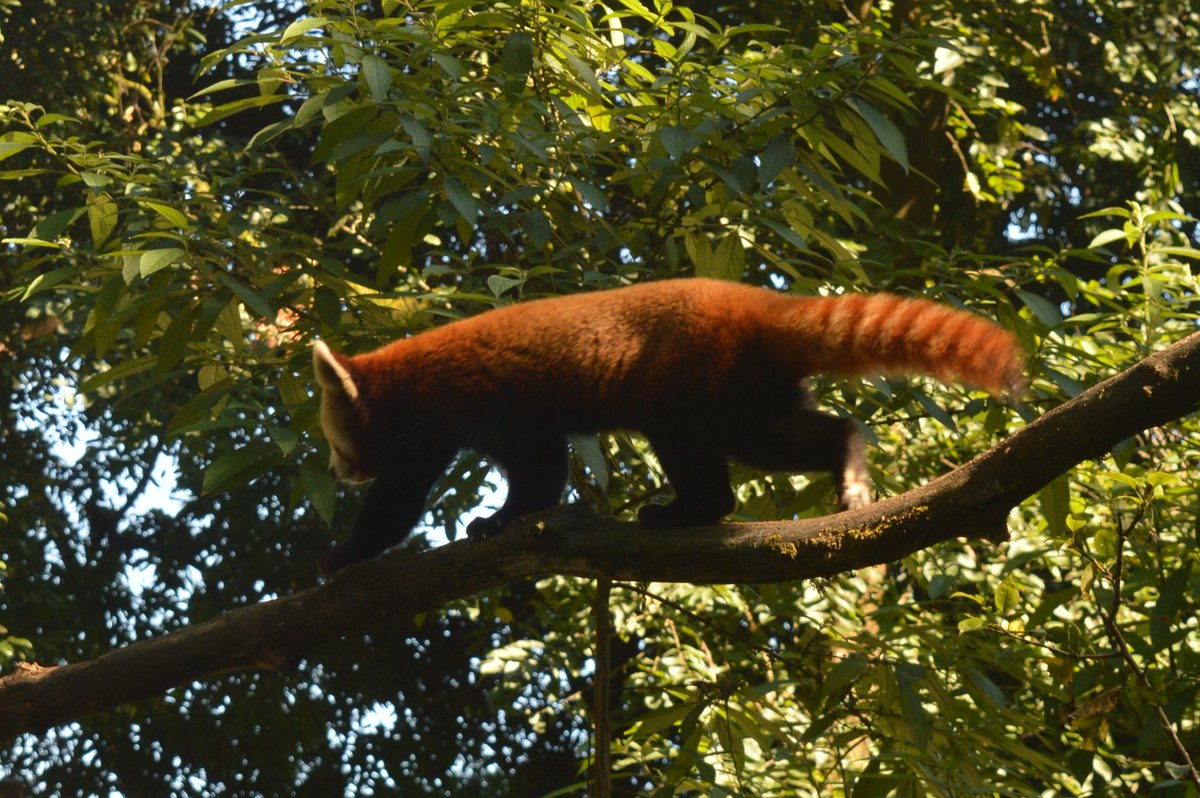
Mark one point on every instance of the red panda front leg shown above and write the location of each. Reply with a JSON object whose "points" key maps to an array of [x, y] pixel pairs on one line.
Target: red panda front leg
{"points": [[535, 469], [699, 475], [394, 504]]}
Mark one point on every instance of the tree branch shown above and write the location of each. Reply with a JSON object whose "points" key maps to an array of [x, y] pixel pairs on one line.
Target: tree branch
{"points": [[971, 501]]}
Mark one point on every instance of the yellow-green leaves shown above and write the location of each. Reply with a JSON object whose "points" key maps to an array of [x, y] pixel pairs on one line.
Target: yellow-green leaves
{"points": [[102, 218]]}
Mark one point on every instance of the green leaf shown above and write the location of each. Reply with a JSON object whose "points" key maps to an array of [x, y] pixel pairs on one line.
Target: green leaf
{"points": [[240, 466], [1086, 578], [1181, 773], [1180, 252], [987, 687], [843, 674], [21, 174], [301, 27], [416, 131], [1105, 542], [37, 243], [48, 280], [785, 232], [517, 58], [54, 225], [117, 372], [198, 406], [1107, 237], [777, 156], [405, 218], [462, 200], [591, 195], [1046, 311], [269, 79], [102, 218], [733, 177], [379, 77], [537, 228], [450, 65], [269, 132], [237, 106], [699, 250], [1056, 505], [10, 148], [222, 85], [935, 410], [729, 261], [129, 265], [155, 260], [939, 584], [211, 374], [250, 298], [677, 140], [173, 343], [1008, 596], [583, 70], [870, 783], [885, 131], [657, 720], [285, 438], [587, 447], [310, 108], [329, 306], [320, 487], [916, 718], [971, 624], [499, 284], [1122, 213], [1167, 216], [171, 216]]}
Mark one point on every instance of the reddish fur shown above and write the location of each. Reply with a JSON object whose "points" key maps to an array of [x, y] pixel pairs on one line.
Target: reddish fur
{"points": [[705, 368], [616, 358]]}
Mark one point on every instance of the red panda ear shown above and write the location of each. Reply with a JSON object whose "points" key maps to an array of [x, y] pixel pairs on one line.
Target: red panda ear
{"points": [[331, 374]]}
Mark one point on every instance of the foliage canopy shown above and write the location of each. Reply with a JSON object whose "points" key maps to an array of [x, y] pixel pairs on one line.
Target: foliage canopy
{"points": [[191, 194]]}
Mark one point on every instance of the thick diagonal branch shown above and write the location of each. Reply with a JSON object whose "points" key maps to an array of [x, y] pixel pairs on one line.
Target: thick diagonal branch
{"points": [[971, 501]]}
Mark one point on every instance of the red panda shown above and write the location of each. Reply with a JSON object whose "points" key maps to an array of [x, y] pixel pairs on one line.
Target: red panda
{"points": [[707, 370]]}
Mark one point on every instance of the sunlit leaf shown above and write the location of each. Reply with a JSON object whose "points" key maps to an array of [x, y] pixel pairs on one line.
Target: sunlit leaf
{"points": [[154, 260]]}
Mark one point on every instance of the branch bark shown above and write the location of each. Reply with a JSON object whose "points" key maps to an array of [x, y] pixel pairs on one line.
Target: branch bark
{"points": [[971, 501]]}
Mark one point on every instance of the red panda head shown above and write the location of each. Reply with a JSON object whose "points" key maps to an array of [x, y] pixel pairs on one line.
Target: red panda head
{"points": [[341, 415]]}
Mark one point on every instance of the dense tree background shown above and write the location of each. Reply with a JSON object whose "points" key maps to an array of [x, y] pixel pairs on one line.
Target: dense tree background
{"points": [[190, 194]]}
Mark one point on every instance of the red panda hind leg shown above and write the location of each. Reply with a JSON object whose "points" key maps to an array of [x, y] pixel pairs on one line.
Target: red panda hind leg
{"points": [[810, 441], [699, 475], [536, 471]]}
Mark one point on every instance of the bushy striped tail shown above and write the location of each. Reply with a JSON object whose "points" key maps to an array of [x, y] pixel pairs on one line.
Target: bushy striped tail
{"points": [[861, 334]]}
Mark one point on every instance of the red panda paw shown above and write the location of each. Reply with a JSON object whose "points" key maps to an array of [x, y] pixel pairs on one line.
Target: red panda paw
{"points": [[677, 514], [483, 528], [855, 495]]}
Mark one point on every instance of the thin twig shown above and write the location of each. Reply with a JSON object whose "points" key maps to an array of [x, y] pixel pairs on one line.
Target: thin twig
{"points": [[1114, 633], [602, 766]]}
